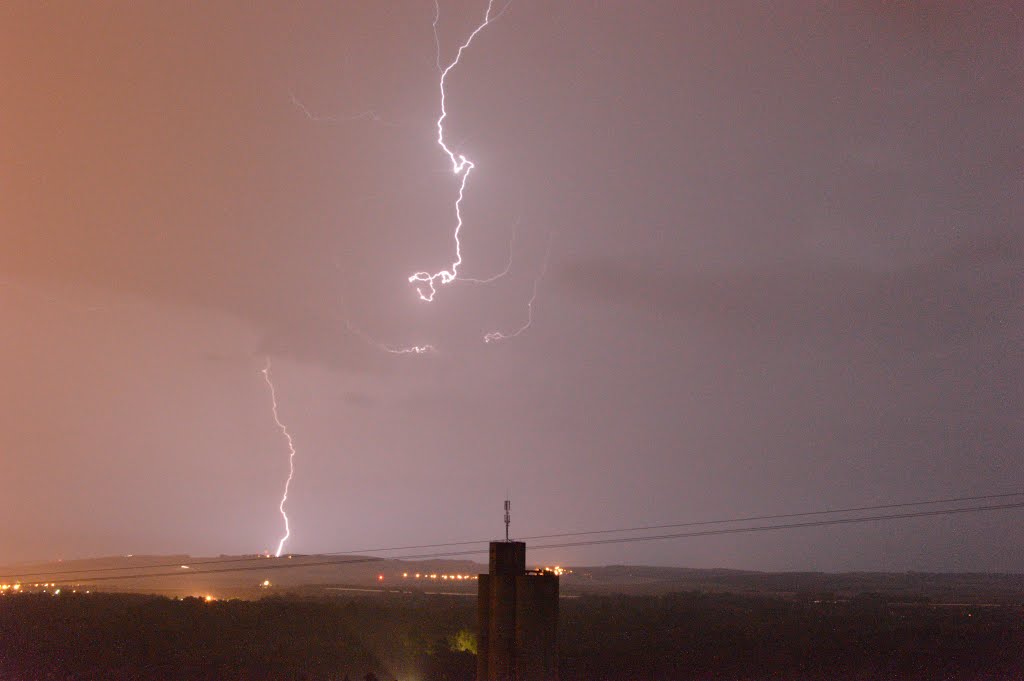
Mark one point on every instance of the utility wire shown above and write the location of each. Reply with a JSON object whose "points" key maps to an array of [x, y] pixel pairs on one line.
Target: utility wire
{"points": [[692, 523], [780, 516], [786, 526], [292, 564], [640, 528]]}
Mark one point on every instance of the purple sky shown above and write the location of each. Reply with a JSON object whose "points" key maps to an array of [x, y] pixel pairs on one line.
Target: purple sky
{"points": [[786, 273]]}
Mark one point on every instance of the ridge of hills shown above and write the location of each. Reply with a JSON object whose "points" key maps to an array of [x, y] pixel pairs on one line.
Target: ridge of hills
{"points": [[254, 576]]}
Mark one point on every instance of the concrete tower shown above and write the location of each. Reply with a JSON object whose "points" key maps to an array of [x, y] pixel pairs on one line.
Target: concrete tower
{"points": [[517, 612]]}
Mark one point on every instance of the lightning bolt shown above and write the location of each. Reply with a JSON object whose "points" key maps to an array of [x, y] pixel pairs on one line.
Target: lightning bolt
{"points": [[437, 40], [501, 335], [425, 282], [368, 115], [508, 265], [405, 349], [291, 458], [392, 348], [388, 347]]}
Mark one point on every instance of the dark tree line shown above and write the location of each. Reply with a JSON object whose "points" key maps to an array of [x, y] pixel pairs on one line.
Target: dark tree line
{"points": [[602, 638]]}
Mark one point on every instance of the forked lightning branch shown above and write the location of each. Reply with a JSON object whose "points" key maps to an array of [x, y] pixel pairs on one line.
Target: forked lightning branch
{"points": [[427, 282]]}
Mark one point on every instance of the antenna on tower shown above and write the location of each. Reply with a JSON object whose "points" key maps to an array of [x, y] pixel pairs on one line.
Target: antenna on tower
{"points": [[508, 517]]}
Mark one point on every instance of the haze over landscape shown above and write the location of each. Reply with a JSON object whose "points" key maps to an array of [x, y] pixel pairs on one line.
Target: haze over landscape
{"points": [[785, 274]]}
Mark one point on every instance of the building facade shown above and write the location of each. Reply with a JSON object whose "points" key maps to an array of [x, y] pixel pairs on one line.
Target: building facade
{"points": [[517, 613]]}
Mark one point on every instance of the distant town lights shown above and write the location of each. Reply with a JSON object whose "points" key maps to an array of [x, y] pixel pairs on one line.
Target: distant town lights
{"points": [[557, 570]]}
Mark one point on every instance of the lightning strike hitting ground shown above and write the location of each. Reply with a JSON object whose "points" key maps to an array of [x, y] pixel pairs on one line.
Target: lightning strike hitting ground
{"points": [[500, 335], [461, 166], [291, 459]]}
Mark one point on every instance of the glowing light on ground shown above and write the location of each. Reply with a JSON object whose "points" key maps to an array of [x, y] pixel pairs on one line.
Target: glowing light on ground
{"points": [[406, 575], [291, 459], [557, 570]]}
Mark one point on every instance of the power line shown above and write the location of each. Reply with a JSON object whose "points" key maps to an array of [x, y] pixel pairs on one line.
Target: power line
{"points": [[787, 526], [640, 528], [780, 516], [289, 564]]}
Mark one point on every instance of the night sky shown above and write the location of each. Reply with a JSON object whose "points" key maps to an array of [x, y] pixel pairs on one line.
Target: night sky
{"points": [[786, 273]]}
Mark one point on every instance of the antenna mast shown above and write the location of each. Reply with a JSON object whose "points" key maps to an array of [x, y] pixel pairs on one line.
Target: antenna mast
{"points": [[508, 516]]}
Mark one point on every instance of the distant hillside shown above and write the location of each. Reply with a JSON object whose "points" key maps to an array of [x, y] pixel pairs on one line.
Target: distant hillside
{"points": [[938, 587], [253, 576]]}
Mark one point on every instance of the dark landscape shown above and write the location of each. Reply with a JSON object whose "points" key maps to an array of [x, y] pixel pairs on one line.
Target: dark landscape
{"points": [[672, 637], [512, 340], [617, 623]]}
